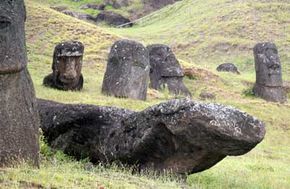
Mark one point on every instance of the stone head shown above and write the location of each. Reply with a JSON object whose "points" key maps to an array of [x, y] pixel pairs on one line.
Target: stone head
{"points": [[12, 36], [267, 64], [163, 60], [67, 62], [129, 53]]}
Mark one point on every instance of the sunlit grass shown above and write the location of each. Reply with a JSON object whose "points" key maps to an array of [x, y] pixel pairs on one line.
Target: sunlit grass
{"points": [[204, 35]]}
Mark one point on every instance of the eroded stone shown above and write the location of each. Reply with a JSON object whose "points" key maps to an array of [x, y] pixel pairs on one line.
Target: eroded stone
{"points": [[19, 120], [67, 67], [181, 136]]}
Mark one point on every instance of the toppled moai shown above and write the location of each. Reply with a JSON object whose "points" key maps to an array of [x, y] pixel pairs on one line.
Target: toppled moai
{"points": [[269, 84], [19, 119], [127, 73], [166, 71], [66, 67], [181, 136]]}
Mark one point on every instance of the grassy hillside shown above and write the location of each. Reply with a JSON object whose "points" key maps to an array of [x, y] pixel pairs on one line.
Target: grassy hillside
{"points": [[137, 6], [203, 35], [222, 29]]}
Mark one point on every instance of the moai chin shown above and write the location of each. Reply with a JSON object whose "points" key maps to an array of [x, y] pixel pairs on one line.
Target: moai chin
{"points": [[269, 84], [19, 120], [67, 67]]}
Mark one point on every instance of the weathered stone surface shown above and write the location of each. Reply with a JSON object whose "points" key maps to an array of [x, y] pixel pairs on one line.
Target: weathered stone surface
{"points": [[269, 84], [228, 67], [127, 71], [67, 67], [179, 135], [113, 19], [19, 121], [165, 70]]}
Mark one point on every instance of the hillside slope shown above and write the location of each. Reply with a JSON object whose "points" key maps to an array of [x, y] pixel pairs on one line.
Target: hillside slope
{"points": [[215, 31], [203, 34], [133, 9]]}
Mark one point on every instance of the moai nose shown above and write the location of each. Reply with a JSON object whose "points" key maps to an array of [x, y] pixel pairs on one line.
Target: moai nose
{"points": [[70, 72]]}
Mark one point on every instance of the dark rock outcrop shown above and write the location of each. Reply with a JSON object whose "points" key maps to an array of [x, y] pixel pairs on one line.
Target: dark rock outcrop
{"points": [[165, 70], [269, 84], [67, 67], [158, 4], [59, 8], [180, 135], [228, 67], [19, 120], [204, 95], [127, 71], [81, 16], [93, 6], [113, 19], [117, 3]]}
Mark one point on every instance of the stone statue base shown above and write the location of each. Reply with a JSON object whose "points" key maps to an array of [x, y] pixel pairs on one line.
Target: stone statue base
{"points": [[274, 94]]}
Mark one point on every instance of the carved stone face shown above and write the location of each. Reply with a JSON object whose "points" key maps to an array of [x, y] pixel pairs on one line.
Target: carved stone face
{"points": [[12, 37], [268, 66], [164, 61], [67, 63]]}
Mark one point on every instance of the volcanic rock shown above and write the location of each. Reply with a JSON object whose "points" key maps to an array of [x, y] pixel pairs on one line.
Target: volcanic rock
{"points": [[182, 136], [127, 71]]}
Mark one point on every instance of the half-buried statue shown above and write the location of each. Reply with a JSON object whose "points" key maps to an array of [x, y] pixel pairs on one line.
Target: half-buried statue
{"points": [[67, 67], [127, 72], [269, 84], [19, 121], [166, 71]]}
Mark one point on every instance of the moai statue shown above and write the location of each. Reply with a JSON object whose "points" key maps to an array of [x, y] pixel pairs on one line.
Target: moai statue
{"points": [[269, 85], [127, 71], [165, 70], [67, 67], [19, 120]]}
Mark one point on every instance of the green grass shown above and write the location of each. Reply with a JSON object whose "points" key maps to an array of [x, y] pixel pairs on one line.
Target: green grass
{"points": [[75, 6], [203, 35]]}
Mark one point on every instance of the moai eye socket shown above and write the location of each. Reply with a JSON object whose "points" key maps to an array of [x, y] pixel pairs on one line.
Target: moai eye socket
{"points": [[4, 23], [10, 2]]}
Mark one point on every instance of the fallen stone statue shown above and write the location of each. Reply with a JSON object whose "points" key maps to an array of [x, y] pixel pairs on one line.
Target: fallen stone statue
{"points": [[182, 136]]}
